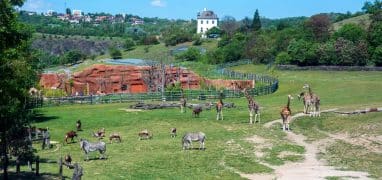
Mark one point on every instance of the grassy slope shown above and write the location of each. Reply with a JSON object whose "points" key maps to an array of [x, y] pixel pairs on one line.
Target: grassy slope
{"points": [[363, 20], [348, 91]]}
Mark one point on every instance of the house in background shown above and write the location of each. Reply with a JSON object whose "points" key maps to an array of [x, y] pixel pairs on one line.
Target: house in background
{"points": [[206, 20]]}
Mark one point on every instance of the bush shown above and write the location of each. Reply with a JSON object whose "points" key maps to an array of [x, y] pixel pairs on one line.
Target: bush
{"points": [[115, 53], [283, 58], [192, 54], [351, 32], [377, 56], [128, 44]]}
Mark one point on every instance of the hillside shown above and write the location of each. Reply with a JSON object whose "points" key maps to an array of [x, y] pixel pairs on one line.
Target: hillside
{"points": [[58, 45], [363, 20]]}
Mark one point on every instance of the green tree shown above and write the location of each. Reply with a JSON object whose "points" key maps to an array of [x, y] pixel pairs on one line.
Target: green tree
{"points": [[192, 54], [18, 74], [283, 58], [377, 56], [68, 11], [372, 8], [72, 57], [303, 52], [128, 44], [352, 32], [256, 23], [317, 27], [214, 30], [115, 53]]}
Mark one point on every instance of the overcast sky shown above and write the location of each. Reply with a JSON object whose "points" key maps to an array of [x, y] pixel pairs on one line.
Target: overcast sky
{"points": [[187, 9]]}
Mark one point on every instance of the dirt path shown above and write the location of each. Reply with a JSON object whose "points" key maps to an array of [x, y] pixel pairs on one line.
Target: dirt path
{"points": [[311, 167]]}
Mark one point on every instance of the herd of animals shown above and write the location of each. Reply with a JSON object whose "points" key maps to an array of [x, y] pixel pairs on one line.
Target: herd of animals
{"points": [[311, 103]]}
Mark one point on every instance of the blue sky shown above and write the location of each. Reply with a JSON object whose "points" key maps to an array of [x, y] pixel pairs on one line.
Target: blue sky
{"points": [[187, 9]]}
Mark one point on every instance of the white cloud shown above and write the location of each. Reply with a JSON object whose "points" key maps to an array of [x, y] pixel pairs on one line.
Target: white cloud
{"points": [[158, 3], [36, 5]]}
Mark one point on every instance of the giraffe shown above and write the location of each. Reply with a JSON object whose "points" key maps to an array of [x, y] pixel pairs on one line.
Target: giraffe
{"points": [[253, 107], [219, 109], [307, 101], [315, 101], [286, 114]]}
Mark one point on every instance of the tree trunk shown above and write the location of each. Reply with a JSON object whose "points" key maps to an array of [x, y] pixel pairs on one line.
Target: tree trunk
{"points": [[4, 149]]}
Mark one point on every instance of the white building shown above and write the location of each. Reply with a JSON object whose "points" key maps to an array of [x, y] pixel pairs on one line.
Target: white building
{"points": [[76, 13], [50, 13], [206, 20]]}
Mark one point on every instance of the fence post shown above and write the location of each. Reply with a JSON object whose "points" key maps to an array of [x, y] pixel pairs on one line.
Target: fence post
{"points": [[60, 168], [37, 165], [17, 165]]}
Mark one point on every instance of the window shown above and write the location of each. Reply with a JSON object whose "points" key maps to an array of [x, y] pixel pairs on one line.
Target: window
{"points": [[213, 22], [201, 21], [201, 29], [207, 22], [206, 29]]}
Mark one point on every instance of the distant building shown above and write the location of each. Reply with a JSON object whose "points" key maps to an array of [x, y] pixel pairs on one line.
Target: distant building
{"points": [[135, 21], [206, 20], [50, 13], [77, 13]]}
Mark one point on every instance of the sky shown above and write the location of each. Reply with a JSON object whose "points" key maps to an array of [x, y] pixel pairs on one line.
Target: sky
{"points": [[187, 9]]}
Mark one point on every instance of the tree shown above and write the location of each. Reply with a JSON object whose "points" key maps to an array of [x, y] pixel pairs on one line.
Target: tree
{"points": [[128, 44], [68, 11], [115, 53], [256, 23], [377, 56], [246, 25], [18, 74], [352, 32], [283, 58], [372, 8], [318, 27], [214, 30], [72, 57], [303, 52], [229, 25], [192, 54]]}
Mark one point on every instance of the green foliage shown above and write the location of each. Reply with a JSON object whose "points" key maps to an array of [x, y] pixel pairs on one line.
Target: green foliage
{"points": [[192, 54], [283, 58], [72, 57], [214, 30], [256, 23], [303, 52], [372, 8], [352, 32], [375, 33], [128, 44], [115, 53], [197, 41], [317, 27], [377, 56], [174, 35], [18, 67]]}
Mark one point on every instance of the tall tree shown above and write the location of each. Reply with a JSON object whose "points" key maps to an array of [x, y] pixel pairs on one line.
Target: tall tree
{"points": [[229, 25], [68, 11], [17, 75], [256, 23], [318, 27]]}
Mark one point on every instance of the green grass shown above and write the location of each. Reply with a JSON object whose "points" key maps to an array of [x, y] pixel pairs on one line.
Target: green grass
{"points": [[162, 157]]}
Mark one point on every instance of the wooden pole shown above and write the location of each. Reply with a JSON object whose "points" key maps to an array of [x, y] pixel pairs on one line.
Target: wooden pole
{"points": [[37, 165]]}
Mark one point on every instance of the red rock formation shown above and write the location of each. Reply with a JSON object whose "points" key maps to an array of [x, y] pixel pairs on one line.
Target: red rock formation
{"points": [[119, 79]]}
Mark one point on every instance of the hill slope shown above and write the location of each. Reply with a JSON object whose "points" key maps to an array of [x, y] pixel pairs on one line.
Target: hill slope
{"points": [[363, 20]]}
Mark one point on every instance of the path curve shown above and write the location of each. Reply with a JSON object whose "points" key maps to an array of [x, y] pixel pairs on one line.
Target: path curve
{"points": [[311, 168]]}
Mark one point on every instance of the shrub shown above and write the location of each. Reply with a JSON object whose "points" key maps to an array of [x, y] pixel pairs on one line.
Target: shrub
{"points": [[377, 56], [283, 58]]}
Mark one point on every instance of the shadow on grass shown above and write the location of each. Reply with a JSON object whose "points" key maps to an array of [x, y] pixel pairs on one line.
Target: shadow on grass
{"points": [[201, 149], [32, 176], [39, 117]]}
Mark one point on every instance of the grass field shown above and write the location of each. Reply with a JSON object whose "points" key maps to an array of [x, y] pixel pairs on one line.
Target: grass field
{"points": [[228, 149]]}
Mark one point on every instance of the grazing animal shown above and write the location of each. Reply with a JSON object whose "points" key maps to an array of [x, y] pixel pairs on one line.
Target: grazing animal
{"points": [[286, 114], [307, 101], [173, 132], [196, 111], [144, 134], [116, 136], [183, 103], [87, 147], [219, 109], [78, 125], [253, 107], [71, 135], [315, 101], [100, 133], [193, 136], [68, 160]]}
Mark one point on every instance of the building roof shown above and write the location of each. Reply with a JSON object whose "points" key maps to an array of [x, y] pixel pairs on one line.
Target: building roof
{"points": [[207, 15]]}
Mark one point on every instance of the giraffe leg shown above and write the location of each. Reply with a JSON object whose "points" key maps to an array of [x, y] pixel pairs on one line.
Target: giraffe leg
{"points": [[221, 114], [250, 117]]}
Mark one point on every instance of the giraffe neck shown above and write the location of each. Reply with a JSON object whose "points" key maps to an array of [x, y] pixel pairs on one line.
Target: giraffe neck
{"points": [[288, 102], [310, 91]]}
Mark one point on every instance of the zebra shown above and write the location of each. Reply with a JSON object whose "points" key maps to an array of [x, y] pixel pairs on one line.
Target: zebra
{"points": [[87, 147], [193, 136]]}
